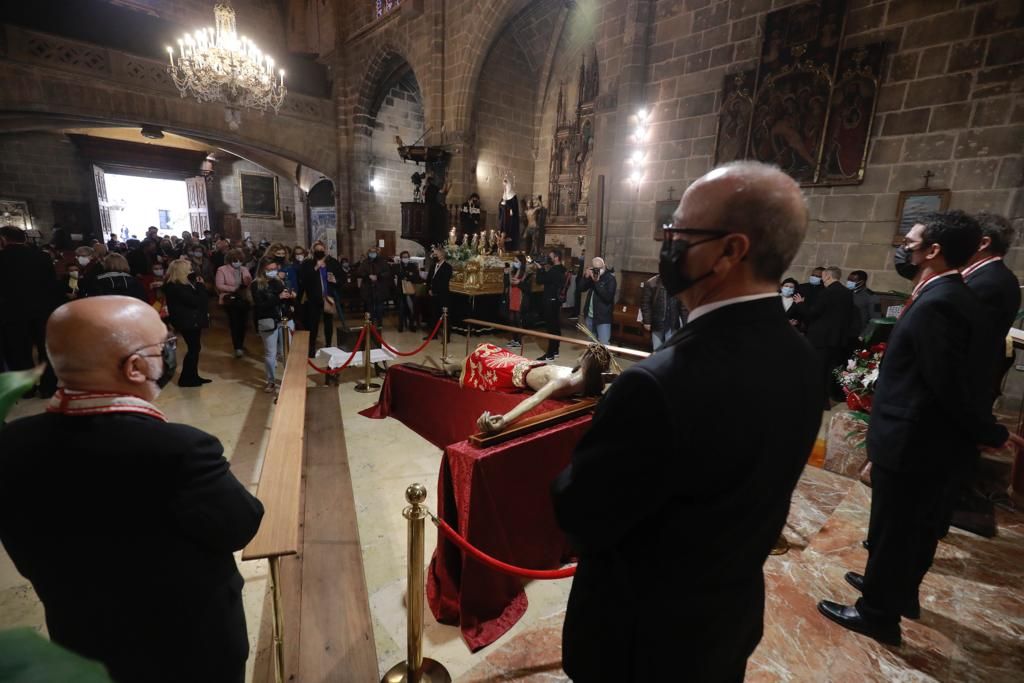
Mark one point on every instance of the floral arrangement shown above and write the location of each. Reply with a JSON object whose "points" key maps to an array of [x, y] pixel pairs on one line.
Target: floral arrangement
{"points": [[857, 379], [485, 247]]}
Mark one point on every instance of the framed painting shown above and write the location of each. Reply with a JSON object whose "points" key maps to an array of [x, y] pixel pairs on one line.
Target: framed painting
{"points": [[663, 211], [851, 112], [914, 204], [734, 116], [259, 195]]}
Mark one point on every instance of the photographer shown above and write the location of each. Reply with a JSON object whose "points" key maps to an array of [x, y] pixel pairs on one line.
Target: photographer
{"points": [[600, 284]]}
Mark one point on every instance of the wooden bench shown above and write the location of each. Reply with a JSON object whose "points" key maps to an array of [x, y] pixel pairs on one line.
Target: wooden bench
{"points": [[323, 630]]}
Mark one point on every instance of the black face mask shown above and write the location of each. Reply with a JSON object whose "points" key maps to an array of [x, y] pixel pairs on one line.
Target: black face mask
{"points": [[673, 254], [169, 358], [279, 260], [901, 259], [319, 254]]}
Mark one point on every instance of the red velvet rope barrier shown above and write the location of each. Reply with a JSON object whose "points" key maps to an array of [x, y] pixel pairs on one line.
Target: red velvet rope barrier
{"points": [[491, 562], [335, 371], [384, 344]]}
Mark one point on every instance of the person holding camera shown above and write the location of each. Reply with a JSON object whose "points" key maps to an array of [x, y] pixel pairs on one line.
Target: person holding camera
{"points": [[600, 286], [233, 281]]}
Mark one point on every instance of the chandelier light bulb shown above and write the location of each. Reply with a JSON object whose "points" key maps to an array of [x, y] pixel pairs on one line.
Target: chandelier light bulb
{"points": [[636, 177], [637, 158], [642, 115]]}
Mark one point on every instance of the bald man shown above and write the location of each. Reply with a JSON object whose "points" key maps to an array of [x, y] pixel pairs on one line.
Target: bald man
{"points": [[599, 285], [668, 459], [124, 523]]}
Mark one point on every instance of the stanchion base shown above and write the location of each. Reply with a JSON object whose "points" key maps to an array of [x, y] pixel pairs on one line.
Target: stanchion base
{"points": [[432, 672], [363, 388]]}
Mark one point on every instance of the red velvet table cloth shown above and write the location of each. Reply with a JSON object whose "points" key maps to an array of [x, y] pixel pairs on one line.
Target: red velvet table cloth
{"points": [[437, 408], [498, 499]]}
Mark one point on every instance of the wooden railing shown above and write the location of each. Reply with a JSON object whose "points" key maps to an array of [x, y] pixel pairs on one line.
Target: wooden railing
{"points": [[632, 354]]}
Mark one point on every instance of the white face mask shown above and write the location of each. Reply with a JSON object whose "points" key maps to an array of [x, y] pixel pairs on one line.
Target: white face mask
{"points": [[158, 272], [73, 274], [404, 261], [300, 257], [236, 264], [787, 292], [83, 260], [271, 274]]}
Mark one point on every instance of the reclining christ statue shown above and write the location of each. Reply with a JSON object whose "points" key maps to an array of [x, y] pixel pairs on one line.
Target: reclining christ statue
{"points": [[492, 368]]}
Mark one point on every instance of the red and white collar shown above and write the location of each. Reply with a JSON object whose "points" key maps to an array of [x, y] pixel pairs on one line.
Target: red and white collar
{"points": [[71, 402], [980, 264], [924, 283]]}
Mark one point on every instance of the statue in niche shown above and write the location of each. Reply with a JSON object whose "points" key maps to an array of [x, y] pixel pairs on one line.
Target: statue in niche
{"points": [[508, 214], [585, 171], [533, 239]]}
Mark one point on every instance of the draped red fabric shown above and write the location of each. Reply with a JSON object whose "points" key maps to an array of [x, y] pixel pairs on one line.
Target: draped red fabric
{"points": [[436, 407], [498, 499]]}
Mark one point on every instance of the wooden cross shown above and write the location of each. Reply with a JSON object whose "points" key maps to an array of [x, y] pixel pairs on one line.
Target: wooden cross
{"points": [[928, 175], [671, 191]]}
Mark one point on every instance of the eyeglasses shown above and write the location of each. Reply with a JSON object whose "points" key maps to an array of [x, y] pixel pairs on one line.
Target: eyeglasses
{"points": [[692, 231], [170, 342]]}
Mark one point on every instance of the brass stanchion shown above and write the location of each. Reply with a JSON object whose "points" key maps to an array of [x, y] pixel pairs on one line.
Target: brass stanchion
{"points": [[275, 591], [416, 669], [444, 333], [367, 386], [286, 339]]}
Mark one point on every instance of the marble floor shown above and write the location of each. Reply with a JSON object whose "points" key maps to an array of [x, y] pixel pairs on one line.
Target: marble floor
{"points": [[973, 600]]}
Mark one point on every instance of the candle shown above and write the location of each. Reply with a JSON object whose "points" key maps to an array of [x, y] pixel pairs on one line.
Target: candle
{"points": [[451, 236], [170, 55]]}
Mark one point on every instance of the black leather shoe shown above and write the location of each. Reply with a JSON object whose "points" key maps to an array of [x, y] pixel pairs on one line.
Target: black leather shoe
{"points": [[865, 544], [857, 581], [203, 380], [848, 617]]}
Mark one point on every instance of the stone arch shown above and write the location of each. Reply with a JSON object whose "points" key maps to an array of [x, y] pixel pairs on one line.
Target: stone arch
{"points": [[387, 64]]}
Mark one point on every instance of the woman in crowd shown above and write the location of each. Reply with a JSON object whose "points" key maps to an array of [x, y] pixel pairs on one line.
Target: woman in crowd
{"points": [[269, 296], [786, 290], [407, 276], [116, 279], [188, 313], [520, 281], [293, 281], [201, 264], [318, 283], [233, 294]]}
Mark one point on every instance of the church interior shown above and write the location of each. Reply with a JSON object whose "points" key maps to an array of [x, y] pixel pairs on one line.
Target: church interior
{"points": [[375, 133]]}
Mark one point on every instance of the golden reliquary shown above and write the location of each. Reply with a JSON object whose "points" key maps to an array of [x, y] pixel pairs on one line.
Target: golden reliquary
{"points": [[474, 278]]}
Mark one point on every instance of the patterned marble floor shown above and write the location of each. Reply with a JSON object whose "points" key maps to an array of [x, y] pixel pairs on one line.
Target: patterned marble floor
{"points": [[973, 600]]}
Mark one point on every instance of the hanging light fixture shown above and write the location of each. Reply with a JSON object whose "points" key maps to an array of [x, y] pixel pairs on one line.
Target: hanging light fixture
{"points": [[218, 65]]}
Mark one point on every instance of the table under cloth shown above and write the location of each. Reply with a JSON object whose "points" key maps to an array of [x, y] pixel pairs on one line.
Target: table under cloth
{"points": [[437, 408], [498, 499]]}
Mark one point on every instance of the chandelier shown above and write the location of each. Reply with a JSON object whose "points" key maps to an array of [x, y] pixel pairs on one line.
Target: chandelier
{"points": [[217, 65]]}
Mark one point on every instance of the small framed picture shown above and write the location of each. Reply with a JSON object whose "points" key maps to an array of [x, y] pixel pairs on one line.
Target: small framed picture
{"points": [[663, 211], [914, 204], [259, 195]]}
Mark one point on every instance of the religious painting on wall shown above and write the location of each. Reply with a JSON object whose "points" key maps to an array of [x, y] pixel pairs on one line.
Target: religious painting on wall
{"points": [[915, 204], [850, 116], [323, 227], [734, 116], [259, 195], [793, 90]]}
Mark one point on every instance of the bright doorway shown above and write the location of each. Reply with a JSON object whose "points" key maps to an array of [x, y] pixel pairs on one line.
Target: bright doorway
{"points": [[137, 202]]}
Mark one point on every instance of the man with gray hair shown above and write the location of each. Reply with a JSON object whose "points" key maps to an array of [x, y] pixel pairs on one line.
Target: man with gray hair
{"points": [[829, 319], [638, 591]]}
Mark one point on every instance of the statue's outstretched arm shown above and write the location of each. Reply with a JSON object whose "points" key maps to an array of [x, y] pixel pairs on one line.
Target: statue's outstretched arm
{"points": [[496, 423]]}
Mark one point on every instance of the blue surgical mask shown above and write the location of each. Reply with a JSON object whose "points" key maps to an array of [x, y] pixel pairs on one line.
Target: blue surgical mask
{"points": [[272, 274], [814, 280], [851, 285], [787, 291], [372, 255], [405, 261]]}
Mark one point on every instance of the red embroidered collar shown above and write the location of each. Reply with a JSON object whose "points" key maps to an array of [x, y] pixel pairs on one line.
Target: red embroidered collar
{"points": [[70, 402]]}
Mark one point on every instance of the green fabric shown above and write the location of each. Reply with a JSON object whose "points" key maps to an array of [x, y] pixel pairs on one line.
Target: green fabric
{"points": [[878, 330], [27, 657], [13, 385]]}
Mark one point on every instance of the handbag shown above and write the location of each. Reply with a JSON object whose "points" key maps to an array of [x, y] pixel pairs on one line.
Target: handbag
{"points": [[408, 288], [266, 325], [329, 305]]}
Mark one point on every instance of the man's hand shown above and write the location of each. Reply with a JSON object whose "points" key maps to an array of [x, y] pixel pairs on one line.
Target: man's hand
{"points": [[373, 278], [798, 299], [490, 423], [331, 278], [647, 327]]}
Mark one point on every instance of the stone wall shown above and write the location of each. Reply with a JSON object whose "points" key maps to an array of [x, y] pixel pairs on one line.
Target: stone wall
{"points": [[950, 103], [41, 168], [225, 197], [401, 114], [505, 131]]}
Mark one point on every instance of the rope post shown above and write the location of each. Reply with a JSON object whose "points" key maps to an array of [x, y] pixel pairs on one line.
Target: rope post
{"points": [[469, 333], [287, 338], [444, 333], [367, 386], [416, 669], [275, 588]]}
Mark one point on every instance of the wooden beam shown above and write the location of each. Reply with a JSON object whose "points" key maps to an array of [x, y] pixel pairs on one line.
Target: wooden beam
{"points": [[281, 477], [617, 350], [535, 423]]}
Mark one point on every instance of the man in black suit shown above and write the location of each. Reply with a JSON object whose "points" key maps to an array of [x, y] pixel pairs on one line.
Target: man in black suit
{"points": [[124, 523], [996, 286], [552, 276], [828, 325], [664, 457], [926, 421], [29, 291], [439, 277], [814, 286], [865, 302]]}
